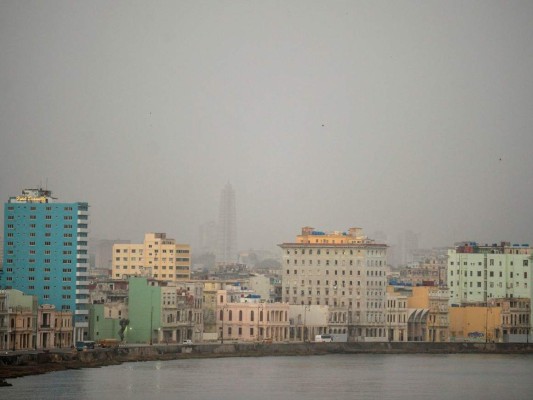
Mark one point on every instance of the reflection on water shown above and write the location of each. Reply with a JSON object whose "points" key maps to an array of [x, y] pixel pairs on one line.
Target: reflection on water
{"points": [[356, 376]]}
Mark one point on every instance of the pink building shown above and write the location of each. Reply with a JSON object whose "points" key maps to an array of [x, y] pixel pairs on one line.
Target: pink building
{"points": [[250, 319]]}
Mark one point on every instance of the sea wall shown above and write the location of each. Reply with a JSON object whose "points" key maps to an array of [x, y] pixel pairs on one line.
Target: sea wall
{"points": [[28, 363]]}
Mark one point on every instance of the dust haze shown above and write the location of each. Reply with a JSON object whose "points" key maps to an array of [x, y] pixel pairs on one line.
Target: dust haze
{"points": [[391, 116]]}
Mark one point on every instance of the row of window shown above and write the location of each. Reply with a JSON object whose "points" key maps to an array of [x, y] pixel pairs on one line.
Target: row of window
{"points": [[154, 267], [276, 315], [171, 251], [491, 274], [377, 253], [525, 263], [369, 263], [491, 284], [368, 273]]}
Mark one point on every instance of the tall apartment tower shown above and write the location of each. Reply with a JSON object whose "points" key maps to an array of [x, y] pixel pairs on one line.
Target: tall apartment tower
{"points": [[158, 257], [46, 252], [227, 227], [345, 271]]}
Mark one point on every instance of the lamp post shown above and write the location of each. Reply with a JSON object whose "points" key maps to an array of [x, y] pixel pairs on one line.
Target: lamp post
{"points": [[304, 332], [151, 318]]}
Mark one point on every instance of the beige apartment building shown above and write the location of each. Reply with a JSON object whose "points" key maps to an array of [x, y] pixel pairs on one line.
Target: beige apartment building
{"points": [[159, 257], [345, 271]]}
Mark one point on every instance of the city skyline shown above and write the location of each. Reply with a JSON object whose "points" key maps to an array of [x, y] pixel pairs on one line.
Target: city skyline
{"points": [[394, 117]]}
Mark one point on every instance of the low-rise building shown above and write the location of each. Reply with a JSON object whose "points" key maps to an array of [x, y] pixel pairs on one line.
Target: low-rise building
{"points": [[54, 327], [396, 316], [504, 320], [250, 319], [19, 315], [308, 321], [435, 300]]}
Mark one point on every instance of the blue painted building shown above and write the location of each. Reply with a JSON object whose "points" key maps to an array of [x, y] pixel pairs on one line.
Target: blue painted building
{"points": [[46, 253]]}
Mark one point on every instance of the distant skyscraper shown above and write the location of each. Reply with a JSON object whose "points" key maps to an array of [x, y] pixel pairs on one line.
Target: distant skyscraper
{"points": [[207, 238], [227, 227], [407, 243], [45, 252]]}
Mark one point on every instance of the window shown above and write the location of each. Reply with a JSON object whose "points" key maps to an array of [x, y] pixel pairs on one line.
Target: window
{"points": [[240, 316]]}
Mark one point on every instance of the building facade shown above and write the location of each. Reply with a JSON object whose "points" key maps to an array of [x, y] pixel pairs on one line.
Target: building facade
{"points": [[158, 257], [478, 274], [434, 300], [46, 252], [345, 271], [250, 319]]}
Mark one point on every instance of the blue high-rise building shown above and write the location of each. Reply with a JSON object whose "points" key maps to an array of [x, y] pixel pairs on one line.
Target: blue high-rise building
{"points": [[46, 253]]}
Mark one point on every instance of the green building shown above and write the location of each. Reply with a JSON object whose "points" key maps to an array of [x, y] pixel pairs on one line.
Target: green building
{"points": [[102, 327], [144, 311]]}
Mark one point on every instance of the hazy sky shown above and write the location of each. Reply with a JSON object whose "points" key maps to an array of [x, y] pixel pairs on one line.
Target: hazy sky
{"points": [[385, 115]]}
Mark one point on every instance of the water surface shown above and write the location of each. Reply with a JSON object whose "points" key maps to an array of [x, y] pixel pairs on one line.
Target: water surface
{"points": [[358, 376]]}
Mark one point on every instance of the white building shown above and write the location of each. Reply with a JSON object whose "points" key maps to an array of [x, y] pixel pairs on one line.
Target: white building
{"points": [[345, 271], [478, 273]]}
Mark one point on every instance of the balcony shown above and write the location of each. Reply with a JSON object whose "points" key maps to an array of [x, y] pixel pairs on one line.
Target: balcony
{"points": [[81, 312], [82, 291]]}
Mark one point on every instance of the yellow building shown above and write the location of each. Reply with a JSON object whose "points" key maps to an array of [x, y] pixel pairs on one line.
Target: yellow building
{"points": [[502, 320], [158, 257], [435, 300], [475, 324]]}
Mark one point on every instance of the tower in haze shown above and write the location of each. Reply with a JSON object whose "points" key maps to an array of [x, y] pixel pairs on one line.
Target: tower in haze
{"points": [[226, 252]]}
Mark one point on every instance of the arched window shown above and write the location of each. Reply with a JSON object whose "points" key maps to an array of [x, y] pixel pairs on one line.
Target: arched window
{"points": [[252, 315], [261, 315], [230, 316], [221, 315]]}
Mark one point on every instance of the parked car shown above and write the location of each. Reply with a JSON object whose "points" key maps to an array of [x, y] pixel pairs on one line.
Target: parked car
{"points": [[187, 341], [85, 345]]}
